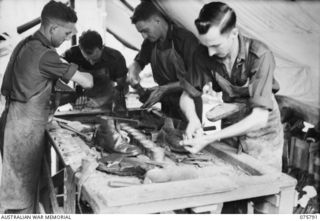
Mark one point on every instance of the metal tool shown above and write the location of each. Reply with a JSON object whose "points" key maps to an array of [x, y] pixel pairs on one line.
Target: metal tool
{"points": [[85, 136]]}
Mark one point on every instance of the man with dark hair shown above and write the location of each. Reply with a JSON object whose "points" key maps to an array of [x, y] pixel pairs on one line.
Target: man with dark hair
{"points": [[242, 68], [33, 69], [107, 66], [169, 50]]}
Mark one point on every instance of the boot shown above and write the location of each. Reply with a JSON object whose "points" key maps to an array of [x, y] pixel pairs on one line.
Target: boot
{"points": [[112, 141]]}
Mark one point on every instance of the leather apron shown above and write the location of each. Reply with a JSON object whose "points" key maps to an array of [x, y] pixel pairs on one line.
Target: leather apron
{"points": [[168, 67], [23, 148], [265, 144]]}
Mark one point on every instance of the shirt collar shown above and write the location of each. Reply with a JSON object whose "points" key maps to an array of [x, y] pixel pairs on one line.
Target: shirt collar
{"points": [[38, 35], [242, 48]]}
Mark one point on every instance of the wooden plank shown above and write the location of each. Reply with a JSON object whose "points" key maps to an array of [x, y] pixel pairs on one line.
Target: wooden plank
{"points": [[248, 187], [70, 192], [192, 201], [163, 191]]}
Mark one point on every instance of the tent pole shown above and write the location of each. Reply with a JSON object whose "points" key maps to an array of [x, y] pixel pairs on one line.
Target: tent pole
{"points": [[74, 37]]}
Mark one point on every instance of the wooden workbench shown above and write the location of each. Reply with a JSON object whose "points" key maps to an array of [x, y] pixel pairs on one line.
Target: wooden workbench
{"points": [[276, 189]]}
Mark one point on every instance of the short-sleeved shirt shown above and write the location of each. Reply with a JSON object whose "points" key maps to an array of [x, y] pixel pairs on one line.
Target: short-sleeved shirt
{"points": [[36, 63], [111, 60], [251, 78], [111, 67], [185, 43]]}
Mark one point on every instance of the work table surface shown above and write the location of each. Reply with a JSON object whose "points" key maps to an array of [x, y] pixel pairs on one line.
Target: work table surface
{"points": [[160, 197]]}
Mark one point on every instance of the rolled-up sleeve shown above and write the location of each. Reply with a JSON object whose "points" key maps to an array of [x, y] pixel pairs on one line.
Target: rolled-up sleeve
{"points": [[260, 87], [52, 66]]}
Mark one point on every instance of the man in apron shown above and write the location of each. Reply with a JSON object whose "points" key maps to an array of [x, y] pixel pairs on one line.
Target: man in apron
{"points": [[33, 69], [108, 68], [242, 68], [168, 49]]}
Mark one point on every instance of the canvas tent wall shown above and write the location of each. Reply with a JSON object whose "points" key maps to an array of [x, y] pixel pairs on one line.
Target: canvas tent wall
{"points": [[290, 29]]}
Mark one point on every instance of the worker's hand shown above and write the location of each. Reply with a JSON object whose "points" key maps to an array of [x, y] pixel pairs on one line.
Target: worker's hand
{"points": [[194, 129], [81, 102], [195, 145], [155, 96], [91, 103], [133, 79]]}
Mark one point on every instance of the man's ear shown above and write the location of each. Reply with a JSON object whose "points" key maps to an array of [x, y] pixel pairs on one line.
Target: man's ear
{"points": [[52, 28], [234, 32]]}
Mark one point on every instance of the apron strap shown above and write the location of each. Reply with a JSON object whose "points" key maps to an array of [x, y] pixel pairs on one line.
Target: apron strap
{"points": [[247, 47]]}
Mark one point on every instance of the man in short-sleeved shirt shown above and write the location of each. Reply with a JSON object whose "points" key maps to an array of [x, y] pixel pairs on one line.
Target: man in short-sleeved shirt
{"points": [[184, 42], [242, 68], [33, 69], [49, 66], [169, 50], [107, 66]]}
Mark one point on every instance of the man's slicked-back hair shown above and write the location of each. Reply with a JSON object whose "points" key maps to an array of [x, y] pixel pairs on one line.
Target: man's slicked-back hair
{"points": [[89, 40], [216, 14], [58, 11], [144, 11]]}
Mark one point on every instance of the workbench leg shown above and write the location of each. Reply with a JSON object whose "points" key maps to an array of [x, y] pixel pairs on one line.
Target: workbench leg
{"points": [[213, 209], [286, 201], [250, 207], [281, 203], [47, 195], [50, 204], [69, 192]]}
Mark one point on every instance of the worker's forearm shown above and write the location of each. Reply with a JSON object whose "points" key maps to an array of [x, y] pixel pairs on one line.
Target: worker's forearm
{"points": [[172, 87], [188, 107], [84, 79], [256, 120], [133, 73]]}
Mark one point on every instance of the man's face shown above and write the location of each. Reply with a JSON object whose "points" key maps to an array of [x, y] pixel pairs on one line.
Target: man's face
{"points": [[149, 29], [62, 31], [92, 56], [219, 45]]}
